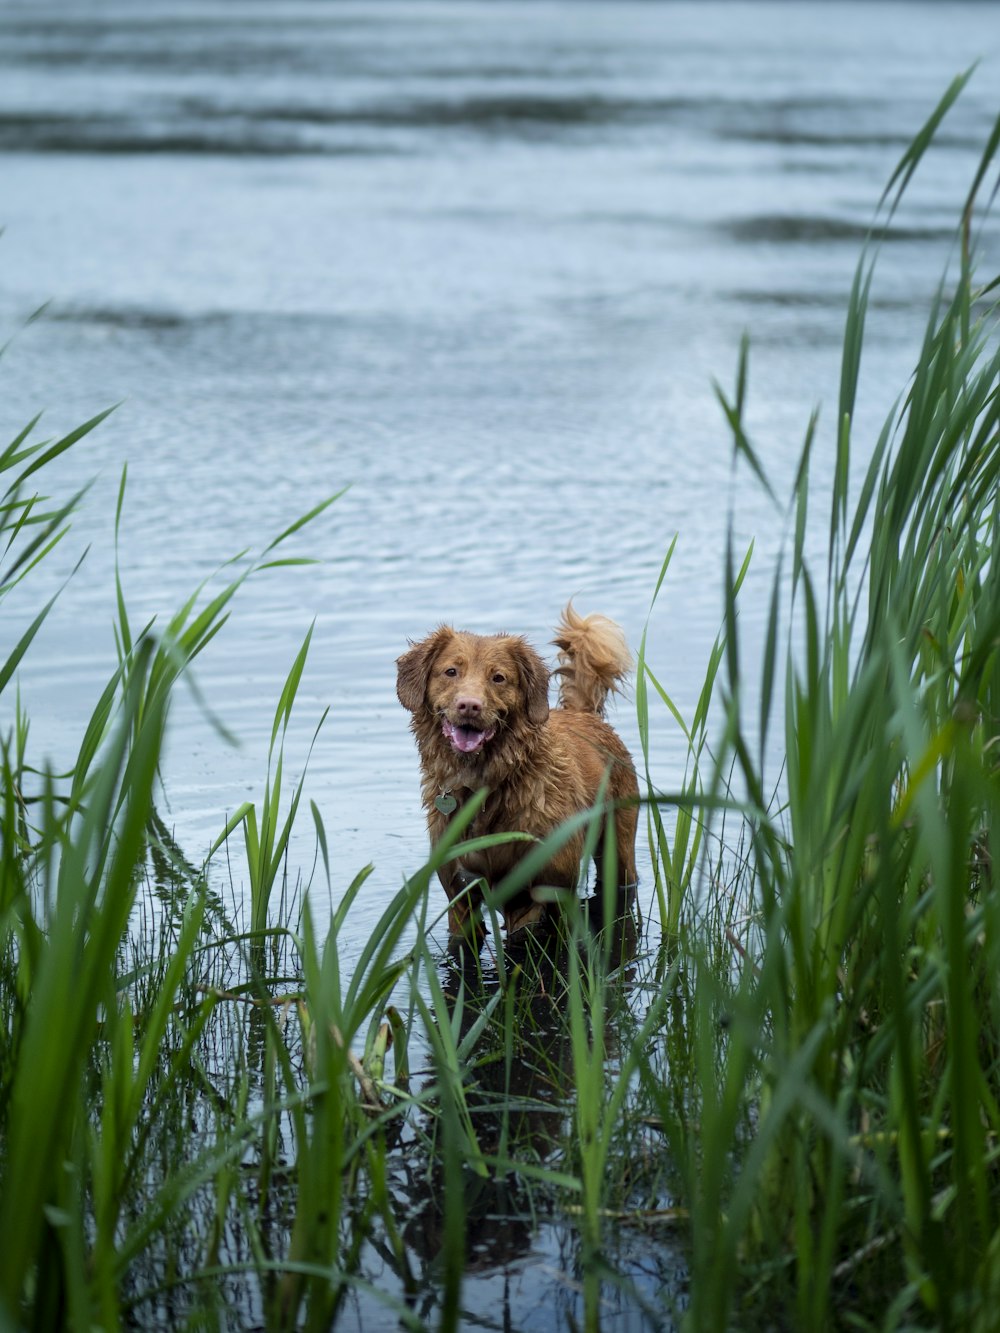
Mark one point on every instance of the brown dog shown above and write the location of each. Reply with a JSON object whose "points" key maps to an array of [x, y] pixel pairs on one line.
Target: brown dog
{"points": [[481, 718]]}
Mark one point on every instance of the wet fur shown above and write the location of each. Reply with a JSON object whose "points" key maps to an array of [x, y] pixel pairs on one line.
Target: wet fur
{"points": [[540, 765]]}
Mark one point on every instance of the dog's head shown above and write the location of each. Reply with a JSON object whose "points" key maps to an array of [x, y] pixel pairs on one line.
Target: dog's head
{"points": [[475, 688]]}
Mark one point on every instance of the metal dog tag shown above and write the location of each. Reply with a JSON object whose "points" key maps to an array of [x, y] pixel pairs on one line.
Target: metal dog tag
{"points": [[446, 803]]}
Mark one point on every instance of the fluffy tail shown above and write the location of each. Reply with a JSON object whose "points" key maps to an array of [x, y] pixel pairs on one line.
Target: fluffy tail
{"points": [[593, 660]]}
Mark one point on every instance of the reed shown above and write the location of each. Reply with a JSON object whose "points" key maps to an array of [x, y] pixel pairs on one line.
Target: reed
{"points": [[265, 837]]}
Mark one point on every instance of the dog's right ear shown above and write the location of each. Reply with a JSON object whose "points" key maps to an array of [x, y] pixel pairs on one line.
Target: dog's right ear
{"points": [[413, 669]]}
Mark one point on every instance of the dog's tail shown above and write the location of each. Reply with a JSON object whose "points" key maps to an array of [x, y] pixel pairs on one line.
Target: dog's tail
{"points": [[593, 660]]}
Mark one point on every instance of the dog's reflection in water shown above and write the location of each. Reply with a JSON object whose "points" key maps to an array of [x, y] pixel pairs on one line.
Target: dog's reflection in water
{"points": [[518, 1085]]}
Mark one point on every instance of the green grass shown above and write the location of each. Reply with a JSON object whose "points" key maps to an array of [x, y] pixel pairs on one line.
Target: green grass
{"points": [[789, 1090]]}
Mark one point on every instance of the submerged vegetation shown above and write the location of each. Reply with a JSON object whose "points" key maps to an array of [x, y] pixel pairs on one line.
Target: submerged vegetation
{"points": [[783, 1112]]}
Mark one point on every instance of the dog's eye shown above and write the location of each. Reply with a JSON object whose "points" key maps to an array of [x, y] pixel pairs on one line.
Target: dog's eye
{"points": [[498, 678], [451, 671]]}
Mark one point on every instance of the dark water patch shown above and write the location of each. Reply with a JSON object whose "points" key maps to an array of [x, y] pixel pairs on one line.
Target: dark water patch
{"points": [[840, 138], [788, 229], [203, 125], [20, 133], [489, 111], [819, 300], [795, 138], [325, 122], [814, 300], [469, 66], [195, 123], [128, 317], [482, 111], [324, 49], [238, 42]]}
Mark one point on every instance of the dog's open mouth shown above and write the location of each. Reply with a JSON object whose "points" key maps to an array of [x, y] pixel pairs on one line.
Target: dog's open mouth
{"points": [[467, 740]]}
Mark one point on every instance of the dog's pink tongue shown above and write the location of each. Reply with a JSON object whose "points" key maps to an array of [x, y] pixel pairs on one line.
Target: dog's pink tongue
{"points": [[465, 739]]}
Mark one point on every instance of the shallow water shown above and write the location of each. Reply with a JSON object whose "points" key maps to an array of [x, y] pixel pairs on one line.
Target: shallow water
{"points": [[480, 262]]}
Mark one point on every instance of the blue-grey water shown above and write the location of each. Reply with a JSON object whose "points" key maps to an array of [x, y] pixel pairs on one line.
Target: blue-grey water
{"points": [[481, 262]]}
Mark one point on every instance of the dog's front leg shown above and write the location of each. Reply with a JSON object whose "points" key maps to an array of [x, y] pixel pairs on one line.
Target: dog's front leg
{"points": [[465, 899], [462, 884]]}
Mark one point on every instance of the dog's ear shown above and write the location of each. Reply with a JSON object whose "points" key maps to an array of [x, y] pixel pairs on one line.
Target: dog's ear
{"points": [[413, 669], [535, 679]]}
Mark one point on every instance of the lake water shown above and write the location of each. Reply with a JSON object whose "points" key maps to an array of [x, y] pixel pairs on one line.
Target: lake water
{"points": [[480, 261]]}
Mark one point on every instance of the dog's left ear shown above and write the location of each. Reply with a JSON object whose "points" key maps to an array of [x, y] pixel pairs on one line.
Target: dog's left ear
{"points": [[413, 669], [535, 678]]}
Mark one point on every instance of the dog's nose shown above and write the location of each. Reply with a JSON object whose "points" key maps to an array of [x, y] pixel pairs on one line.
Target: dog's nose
{"points": [[468, 707]]}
